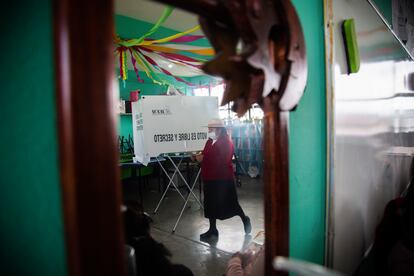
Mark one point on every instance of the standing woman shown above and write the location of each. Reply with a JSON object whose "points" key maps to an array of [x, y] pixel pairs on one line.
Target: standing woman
{"points": [[220, 196]]}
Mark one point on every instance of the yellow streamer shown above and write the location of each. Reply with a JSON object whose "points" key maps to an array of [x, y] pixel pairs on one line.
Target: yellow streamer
{"points": [[124, 71], [166, 39], [144, 67], [126, 66], [201, 51], [122, 63]]}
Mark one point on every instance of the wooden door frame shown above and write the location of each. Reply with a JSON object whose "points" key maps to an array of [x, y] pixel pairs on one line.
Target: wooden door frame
{"points": [[89, 173]]}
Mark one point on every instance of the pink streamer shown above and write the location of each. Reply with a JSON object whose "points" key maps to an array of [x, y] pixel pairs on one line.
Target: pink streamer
{"points": [[177, 57], [198, 66], [182, 39], [135, 67], [177, 78], [187, 38], [121, 73], [150, 60]]}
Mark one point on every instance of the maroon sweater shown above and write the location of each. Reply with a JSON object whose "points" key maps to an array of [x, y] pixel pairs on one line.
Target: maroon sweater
{"points": [[217, 159]]}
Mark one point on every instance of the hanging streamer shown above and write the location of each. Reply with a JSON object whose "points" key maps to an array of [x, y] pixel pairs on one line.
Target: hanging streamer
{"points": [[152, 62], [124, 71], [121, 71], [165, 54], [181, 48], [135, 66], [133, 42], [176, 56], [178, 64], [187, 38], [147, 69], [167, 39]]}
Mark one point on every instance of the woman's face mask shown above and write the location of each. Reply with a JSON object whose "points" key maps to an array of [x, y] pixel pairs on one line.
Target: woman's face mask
{"points": [[211, 135]]}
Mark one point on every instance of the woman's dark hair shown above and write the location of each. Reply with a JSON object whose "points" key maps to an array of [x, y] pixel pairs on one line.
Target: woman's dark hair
{"points": [[152, 257], [136, 221]]}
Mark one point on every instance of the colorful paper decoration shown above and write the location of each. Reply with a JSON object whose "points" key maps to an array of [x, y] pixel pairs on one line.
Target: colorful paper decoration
{"points": [[158, 57]]}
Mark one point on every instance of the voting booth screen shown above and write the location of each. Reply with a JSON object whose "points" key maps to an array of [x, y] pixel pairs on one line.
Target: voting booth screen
{"points": [[171, 124]]}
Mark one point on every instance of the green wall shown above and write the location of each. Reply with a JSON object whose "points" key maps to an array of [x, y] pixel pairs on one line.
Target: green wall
{"points": [[31, 224], [307, 149]]}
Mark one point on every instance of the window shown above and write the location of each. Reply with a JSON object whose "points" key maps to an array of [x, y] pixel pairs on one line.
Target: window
{"points": [[225, 112], [203, 91], [218, 91]]}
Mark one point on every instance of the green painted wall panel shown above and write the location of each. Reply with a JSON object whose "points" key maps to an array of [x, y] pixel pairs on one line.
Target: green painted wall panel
{"points": [[125, 126], [147, 88], [31, 223], [307, 149]]}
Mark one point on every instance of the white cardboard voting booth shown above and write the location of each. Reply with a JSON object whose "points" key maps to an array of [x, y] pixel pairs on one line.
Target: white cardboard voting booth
{"points": [[170, 124]]}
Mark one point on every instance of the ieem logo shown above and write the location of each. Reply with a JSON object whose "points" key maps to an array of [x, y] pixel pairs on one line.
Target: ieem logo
{"points": [[164, 111]]}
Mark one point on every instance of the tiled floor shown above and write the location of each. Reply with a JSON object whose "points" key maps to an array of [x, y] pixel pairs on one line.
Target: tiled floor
{"points": [[201, 257]]}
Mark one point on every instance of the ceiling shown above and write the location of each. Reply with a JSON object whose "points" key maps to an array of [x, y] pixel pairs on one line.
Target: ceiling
{"points": [[151, 11]]}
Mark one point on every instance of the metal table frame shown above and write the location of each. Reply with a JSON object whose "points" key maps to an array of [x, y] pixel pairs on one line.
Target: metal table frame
{"points": [[171, 182]]}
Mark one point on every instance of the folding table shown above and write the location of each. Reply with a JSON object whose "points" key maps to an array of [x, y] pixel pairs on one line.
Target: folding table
{"points": [[175, 185]]}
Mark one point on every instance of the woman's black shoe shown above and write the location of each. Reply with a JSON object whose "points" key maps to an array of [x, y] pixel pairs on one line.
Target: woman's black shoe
{"points": [[247, 225], [210, 234]]}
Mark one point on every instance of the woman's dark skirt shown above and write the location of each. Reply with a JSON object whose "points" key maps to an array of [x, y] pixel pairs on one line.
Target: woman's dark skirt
{"points": [[220, 199]]}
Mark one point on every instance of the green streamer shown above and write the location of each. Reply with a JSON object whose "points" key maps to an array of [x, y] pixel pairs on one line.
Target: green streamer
{"points": [[134, 42]]}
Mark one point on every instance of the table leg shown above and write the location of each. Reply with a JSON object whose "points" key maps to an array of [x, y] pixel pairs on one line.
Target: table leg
{"points": [[200, 187], [188, 171], [140, 186], [166, 189], [186, 201], [160, 189], [185, 182]]}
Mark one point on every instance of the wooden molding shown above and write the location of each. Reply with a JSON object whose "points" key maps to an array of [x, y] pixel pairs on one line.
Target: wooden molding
{"points": [[276, 184], [89, 174]]}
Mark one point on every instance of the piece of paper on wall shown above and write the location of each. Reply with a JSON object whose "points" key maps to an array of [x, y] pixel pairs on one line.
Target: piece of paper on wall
{"points": [[171, 124], [121, 106]]}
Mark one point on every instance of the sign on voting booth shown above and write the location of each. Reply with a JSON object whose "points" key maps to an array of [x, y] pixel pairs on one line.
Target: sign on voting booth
{"points": [[171, 124]]}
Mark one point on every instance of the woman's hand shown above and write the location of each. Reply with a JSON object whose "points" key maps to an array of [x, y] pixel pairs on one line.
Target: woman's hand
{"points": [[199, 157]]}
